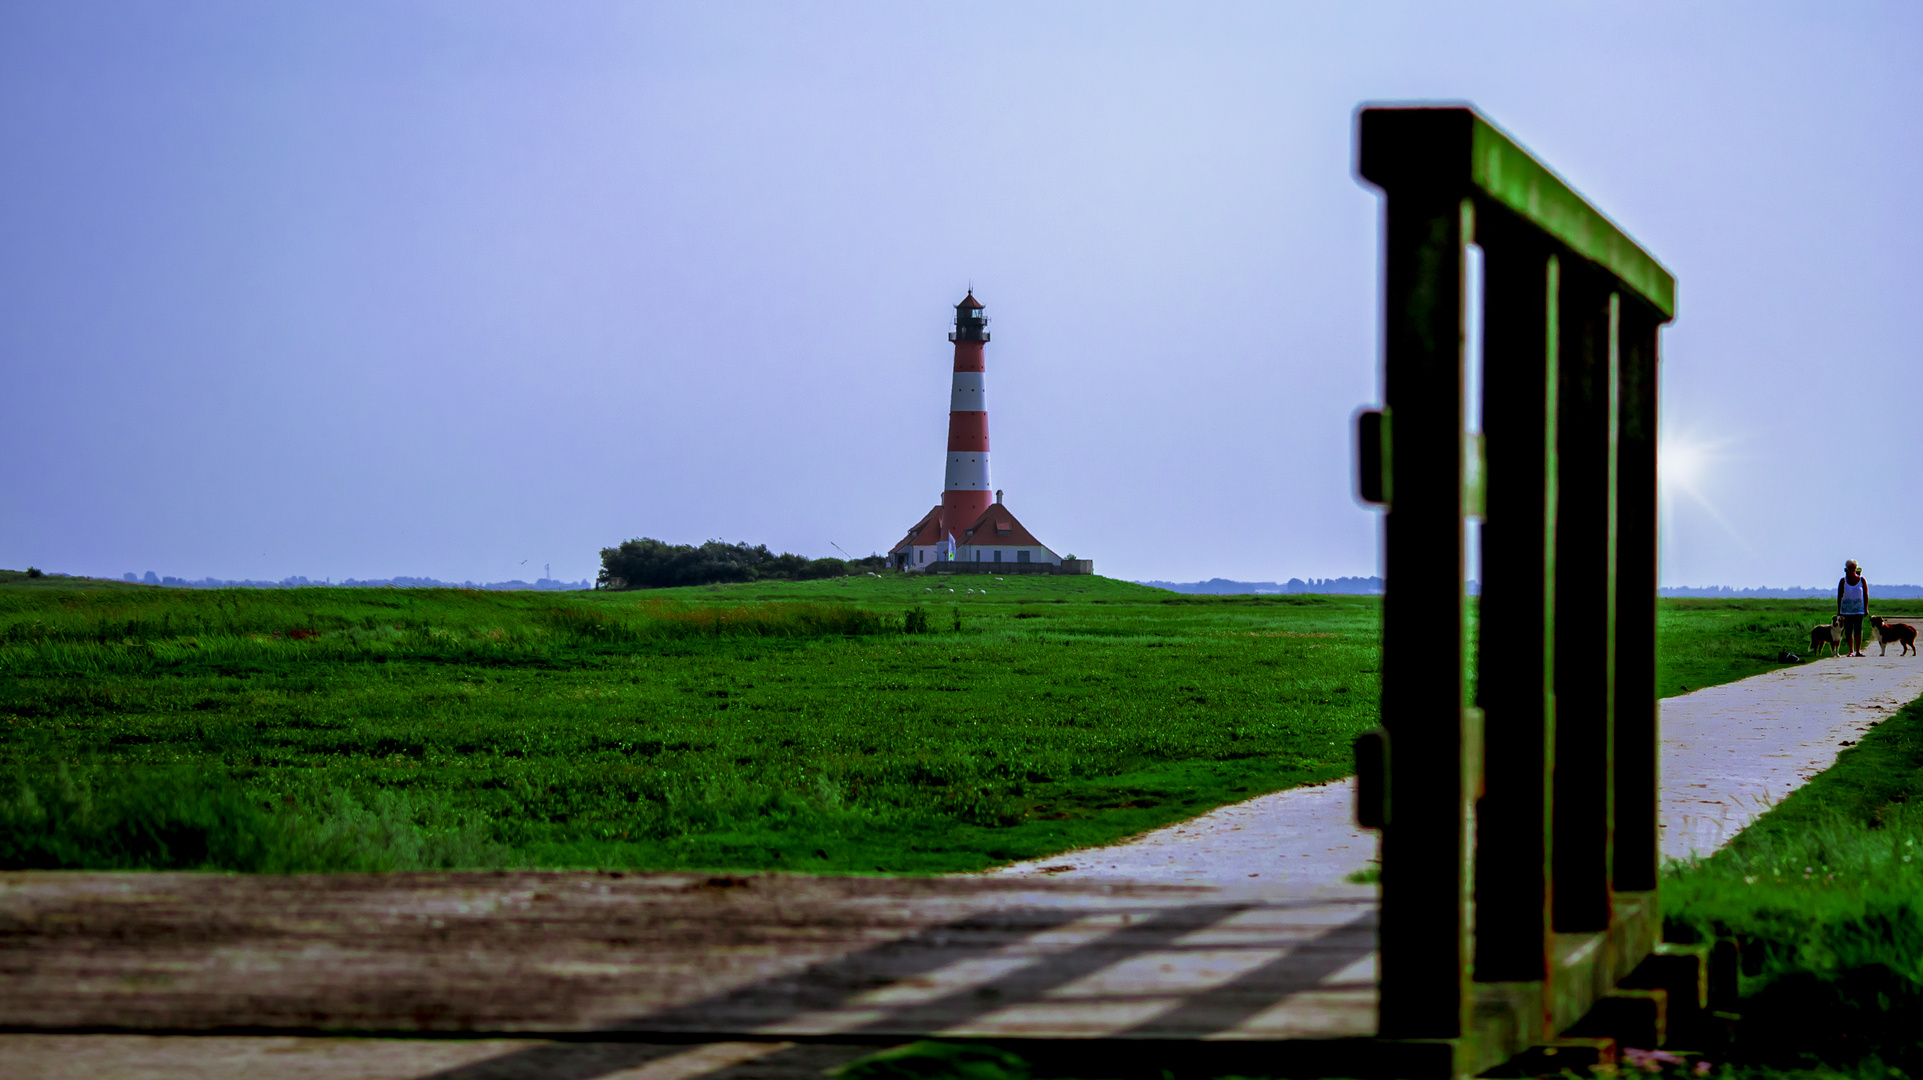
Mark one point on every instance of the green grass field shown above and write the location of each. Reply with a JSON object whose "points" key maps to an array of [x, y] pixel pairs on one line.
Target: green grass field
{"points": [[780, 725], [790, 726]]}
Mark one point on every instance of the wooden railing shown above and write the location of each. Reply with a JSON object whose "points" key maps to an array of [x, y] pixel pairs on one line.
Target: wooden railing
{"points": [[1521, 824]]}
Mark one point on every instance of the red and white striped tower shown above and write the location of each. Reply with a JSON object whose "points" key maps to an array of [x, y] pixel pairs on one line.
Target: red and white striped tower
{"points": [[966, 493]]}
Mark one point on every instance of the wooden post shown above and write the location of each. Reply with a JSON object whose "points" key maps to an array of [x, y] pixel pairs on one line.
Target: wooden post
{"points": [[1516, 650], [1585, 665], [1638, 848], [1424, 910]]}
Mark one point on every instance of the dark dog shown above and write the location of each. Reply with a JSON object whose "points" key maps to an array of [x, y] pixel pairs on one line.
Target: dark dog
{"points": [[1885, 632], [1827, 636]]}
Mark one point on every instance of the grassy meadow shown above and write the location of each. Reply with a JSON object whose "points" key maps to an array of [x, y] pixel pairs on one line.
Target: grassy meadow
{"points": [[866, 724], [792, 725]]}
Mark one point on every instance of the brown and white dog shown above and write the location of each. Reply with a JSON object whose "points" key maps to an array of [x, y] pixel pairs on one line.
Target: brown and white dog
{"points": [[1885, 632], [1828, 635]]}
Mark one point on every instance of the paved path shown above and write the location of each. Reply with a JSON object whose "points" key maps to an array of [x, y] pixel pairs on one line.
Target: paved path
{"points": [[295, 1057], [1729, 753]]}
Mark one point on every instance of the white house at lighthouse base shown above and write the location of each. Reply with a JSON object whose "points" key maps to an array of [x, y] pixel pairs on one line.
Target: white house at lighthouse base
{"points": [[995, 541]]}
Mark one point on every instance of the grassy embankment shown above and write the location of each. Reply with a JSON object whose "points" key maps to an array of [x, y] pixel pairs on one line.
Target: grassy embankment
{"points": [[791, 726], [782, 725]]}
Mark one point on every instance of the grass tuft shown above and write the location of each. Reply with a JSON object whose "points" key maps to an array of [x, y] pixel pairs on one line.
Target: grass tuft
{"points": [[177, 820]]}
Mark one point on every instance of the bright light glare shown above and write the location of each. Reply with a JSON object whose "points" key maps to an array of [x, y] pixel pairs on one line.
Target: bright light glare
{"points": [[1683, 464]]}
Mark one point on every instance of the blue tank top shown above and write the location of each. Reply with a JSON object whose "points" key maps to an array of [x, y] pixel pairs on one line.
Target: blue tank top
{"points": [[1852, 598]]}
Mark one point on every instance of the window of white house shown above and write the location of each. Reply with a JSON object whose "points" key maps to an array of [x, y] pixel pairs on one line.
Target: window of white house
{"points": [[1021, 556]]}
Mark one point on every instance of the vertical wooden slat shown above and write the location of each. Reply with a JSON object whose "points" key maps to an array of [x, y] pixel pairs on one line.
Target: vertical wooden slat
{"points": [[1516, 649], [1638, 850], [1585, 600], [1423, 877]]}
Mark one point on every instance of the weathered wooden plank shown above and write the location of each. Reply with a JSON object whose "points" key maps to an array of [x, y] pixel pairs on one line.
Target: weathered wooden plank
{"points": [[1638, 743], [1586, 542], [763, 956], [1452, 151], [1424, 876], [1516, 689]]}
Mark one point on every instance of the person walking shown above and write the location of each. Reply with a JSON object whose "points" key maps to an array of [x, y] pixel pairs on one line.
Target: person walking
{"points": [[1852, 603]]}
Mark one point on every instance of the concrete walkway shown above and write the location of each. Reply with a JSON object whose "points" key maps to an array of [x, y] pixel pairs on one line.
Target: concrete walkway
{"points": [[1729, 753], [300, 1057]]}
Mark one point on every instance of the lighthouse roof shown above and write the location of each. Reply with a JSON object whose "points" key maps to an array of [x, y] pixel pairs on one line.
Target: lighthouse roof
{"points": [[924, 532], [998, 526], [970, 301]]}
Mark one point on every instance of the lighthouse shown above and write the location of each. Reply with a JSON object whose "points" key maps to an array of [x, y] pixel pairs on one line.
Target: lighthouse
{"points": [[966, 490], [971, 530]]}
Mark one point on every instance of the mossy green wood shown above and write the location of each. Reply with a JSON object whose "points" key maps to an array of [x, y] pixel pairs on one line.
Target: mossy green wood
{"points": [[1452, 148], [1508, 174]]}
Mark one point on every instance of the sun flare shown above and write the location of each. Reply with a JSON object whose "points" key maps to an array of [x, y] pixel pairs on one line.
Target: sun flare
{"points": [[1685, 471], [1683, 463]]}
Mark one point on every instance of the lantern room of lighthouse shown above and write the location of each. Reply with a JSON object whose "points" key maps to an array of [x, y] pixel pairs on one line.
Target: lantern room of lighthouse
{"points": [[970, 323]]}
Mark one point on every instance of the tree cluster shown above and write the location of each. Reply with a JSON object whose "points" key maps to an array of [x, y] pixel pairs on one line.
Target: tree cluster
{"points": [[656, 564]]}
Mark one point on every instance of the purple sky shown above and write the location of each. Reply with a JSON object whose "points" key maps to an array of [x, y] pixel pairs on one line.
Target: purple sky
{"points": [[434, 288]]}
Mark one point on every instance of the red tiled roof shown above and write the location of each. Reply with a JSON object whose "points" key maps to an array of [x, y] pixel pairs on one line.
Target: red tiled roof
{"points": [[988, 530], [996, 527], [970, 302], [923, 533]]}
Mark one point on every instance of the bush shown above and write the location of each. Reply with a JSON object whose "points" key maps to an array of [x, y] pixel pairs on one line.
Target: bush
{"points": [[654, 564]]}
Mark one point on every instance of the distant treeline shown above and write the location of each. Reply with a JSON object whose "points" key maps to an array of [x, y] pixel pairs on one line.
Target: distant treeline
{"points": [[656, 564], [1223, 586]]}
